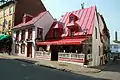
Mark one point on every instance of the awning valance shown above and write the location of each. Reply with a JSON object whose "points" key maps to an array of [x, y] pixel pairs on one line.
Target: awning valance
{"points": [[62, 42]]}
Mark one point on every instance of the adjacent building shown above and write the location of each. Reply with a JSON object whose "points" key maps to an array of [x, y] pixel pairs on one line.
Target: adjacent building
{"points": [[26, 34], [79, 37], [12, 11]]}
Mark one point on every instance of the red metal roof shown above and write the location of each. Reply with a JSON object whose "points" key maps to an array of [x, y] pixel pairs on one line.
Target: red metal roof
{"points": [[62, 42], [85, 19], [31, 21]]}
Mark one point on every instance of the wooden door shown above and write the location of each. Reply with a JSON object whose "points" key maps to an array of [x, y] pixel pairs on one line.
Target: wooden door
{"points": [[29, 50]]}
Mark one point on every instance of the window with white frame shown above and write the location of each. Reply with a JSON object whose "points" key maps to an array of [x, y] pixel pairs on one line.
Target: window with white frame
{"points": [[30, 34], [71, 18], [40, 33], [9, 23], [0, 14], [11, 10], [72, 32], [22, 48], [17, 48], [4, 12]]}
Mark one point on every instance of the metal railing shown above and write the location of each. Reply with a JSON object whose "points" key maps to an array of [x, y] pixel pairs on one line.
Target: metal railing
{"points": [[71, 55], [42, 53]]}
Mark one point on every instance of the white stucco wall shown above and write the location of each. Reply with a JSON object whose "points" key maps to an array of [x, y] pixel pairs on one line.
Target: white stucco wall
{"points": [[45, 23], [33, 44], [101, 25], [13, 44], [105, 38], [95, 44], [26, 37]]}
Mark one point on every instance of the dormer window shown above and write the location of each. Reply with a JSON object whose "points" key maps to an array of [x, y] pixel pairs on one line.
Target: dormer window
{"points": [[72, 18], [72, 32], [27, 18], [57, 30]]}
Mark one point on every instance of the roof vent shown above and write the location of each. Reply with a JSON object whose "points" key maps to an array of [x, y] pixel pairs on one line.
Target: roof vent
{"points": [[82, 5]]}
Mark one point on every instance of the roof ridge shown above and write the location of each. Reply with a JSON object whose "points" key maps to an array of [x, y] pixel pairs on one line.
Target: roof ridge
{"points": [[33, 19], [81, 9], [40, 13], [39, 16]]}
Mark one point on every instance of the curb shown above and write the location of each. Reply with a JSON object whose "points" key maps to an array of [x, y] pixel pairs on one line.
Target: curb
{"points": [[61, 69], [52, 67], [27, 61]]}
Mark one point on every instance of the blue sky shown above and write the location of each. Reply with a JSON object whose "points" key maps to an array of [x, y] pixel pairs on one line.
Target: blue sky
{"points": [[110, 9]]}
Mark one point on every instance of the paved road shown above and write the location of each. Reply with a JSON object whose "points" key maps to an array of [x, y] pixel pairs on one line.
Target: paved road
{"points": [[16, 70]]}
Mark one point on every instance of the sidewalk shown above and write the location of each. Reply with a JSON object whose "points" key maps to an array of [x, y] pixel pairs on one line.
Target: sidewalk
{"points": [[54, 64]]}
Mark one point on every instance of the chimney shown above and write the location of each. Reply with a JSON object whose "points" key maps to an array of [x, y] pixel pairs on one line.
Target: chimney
{"points": [[55, 19], [115, 35], [82, 5]]}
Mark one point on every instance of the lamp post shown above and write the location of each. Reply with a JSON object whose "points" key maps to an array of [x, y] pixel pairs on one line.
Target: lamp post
{"points": [[85, 33]]}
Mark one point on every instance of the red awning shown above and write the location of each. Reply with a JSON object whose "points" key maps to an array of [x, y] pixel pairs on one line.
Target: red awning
{"points": [[62, 42]]}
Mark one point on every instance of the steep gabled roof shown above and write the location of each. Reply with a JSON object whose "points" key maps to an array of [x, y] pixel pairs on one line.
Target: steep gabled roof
{"points": [[105, 27], [31, 22], [85, 19]]}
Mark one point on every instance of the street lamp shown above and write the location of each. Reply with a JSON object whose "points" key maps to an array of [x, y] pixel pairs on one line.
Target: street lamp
{"points": [[85, 33]]}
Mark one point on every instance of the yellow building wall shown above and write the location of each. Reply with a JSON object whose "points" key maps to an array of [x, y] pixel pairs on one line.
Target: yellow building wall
{"points": [[9, 17]]}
